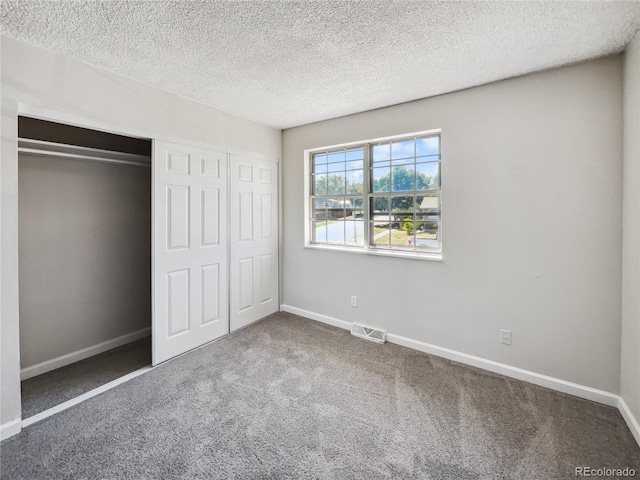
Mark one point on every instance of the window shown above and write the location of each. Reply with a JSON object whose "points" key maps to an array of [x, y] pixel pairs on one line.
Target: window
{"points": [[379, 196]]}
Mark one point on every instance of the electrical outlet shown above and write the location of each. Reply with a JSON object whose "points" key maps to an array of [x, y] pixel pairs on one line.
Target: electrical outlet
{"points": [[505, 337], [354, 301]]}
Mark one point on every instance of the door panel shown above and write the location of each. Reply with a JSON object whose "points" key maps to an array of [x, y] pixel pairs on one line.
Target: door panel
{"points": [[178, 216], [266, 226], [190, 302], [245, 216], [210, 216], [210, 293], [254, 239], [178, 302], [210, 167], [266, 272], [245, 284]]}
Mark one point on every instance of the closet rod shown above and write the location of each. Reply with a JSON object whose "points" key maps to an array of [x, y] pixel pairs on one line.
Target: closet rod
{"points": [[40, 147]]}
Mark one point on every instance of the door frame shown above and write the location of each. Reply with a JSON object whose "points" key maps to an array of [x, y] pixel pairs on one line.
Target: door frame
{"points": [[29, 111], [53, 115]]}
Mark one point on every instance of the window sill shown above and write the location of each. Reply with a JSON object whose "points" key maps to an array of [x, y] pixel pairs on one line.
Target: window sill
{"points": [[432, 257]]}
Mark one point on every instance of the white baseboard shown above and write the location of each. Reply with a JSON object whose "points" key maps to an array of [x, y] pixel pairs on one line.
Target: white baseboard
{"points": [[64, 360], [553, 383], [575, 389], [85, 396], [316, 316], [10, 429], [631, 420]]}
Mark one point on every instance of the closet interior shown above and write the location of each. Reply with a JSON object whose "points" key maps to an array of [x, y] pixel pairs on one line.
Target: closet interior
{"points": [[84, 259]]}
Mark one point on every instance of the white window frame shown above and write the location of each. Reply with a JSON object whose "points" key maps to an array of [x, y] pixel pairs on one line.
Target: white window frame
{"points": [[367, 248]]}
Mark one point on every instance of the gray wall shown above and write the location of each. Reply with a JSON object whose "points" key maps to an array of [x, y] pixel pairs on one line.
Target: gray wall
{"points": [[43, 79], [630, 358], [85, 254], [532, 230]]}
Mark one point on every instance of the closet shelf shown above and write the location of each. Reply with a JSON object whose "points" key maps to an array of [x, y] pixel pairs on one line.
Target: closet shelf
{"points": [[40, 147]]}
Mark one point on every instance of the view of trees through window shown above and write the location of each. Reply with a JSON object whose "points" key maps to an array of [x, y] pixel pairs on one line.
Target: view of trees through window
{"points": [[397, 181]]}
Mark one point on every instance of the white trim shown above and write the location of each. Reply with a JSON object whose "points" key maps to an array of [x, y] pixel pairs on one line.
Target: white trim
{"points": [[254, 155], [73, 357], [316, 316], [546, 381], [430, 256], [553, 383], [154, 161], [10, 429], [81, 398], [631, 420], [72, 119], [42, 113], [306, 210]]}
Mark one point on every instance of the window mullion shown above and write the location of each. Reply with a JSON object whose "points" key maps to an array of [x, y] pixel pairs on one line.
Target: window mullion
{"points": [[366, 191]]}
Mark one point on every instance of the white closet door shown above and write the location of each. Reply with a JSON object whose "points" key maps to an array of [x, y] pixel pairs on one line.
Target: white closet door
{"points": [[254, 239], [190, 291]]}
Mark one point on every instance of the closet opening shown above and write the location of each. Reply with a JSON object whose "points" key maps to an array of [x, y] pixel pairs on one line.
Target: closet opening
{"points": [[84, 200]]}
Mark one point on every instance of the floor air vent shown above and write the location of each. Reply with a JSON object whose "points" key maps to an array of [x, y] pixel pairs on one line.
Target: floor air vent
{"points": [[373, 334]]}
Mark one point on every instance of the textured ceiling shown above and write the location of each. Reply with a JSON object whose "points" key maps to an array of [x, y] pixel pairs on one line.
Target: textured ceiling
{"points": [[295, 62]]}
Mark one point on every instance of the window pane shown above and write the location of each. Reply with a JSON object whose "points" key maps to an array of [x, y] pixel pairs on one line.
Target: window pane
{"points": [[402, 232], [403, 179], [319, 231], [381, 179], [336, 157], [380, 207], [320, 184], [354, 182], [381, 152], [403, 149], [320, 212], [402, 205], [335, 184], [428, 235], [335, 167], [355, 165], [428, 146], [319, 159], [335, 207], [347, 204], [355, 154], [402, 218], [380, 234], [427, 204], [411, 229], [320, 168], [357, 208], [335, 230], [428, 175], [355, 232]]}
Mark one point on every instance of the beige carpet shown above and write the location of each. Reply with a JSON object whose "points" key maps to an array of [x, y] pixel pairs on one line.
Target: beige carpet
{"points": [[292, 398], [56, 387]]}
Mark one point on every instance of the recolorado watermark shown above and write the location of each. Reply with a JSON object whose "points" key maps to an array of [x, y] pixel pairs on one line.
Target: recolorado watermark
{"points": [[604, 472]]}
